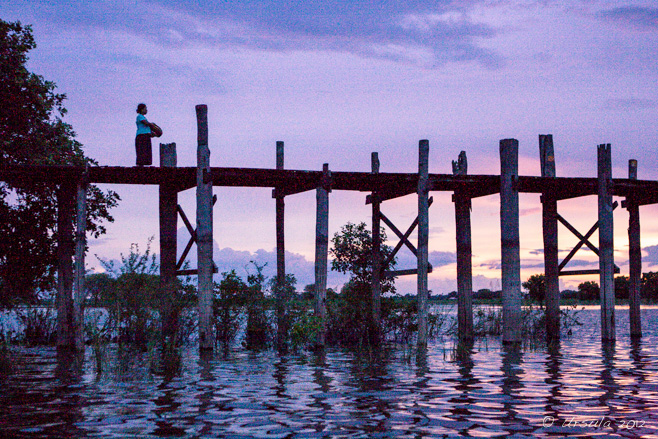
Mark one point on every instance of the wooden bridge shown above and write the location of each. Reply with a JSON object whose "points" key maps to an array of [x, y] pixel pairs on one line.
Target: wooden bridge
{"points": [[71, 183]]}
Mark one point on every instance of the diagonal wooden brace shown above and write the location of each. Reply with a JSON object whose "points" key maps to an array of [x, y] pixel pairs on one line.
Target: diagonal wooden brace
{"points": [[583, 240], [404, 238], [193, 236]]}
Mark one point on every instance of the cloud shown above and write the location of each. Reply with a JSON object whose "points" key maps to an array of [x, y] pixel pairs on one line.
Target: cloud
{"points": [[415, 32], [406, 260], [242, 261], [630, 104], [651, 256], [641, 18]]}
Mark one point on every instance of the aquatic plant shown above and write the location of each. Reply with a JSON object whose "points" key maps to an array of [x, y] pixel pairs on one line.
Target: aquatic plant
{"points": [[136, 302], [230, 297], [40, 325]]}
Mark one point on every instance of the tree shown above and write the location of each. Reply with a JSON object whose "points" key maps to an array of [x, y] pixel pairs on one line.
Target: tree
{"points": [[231, 295], [536, 286], [32, 132], [650, 285], [622, 287], [350, 318], [588, 291], [352, 253]]}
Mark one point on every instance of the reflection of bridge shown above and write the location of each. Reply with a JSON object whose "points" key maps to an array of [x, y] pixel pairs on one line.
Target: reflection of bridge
{"points": [[71, 183]]}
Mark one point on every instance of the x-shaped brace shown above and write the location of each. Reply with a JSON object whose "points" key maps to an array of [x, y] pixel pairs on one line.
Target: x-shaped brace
{"points": [[193, 236], [404, 238], [583, 240]]}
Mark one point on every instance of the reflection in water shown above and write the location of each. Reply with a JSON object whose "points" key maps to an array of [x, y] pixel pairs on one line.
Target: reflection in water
{"points": [[68, 374], [465, 385], [205, 390], [553, 380], [512, 385], [483, 389], [607, 380]]}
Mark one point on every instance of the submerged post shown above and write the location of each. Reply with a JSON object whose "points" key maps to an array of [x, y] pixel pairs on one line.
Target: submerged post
{"points": [[321, 249], [65, 328], [204, 233], [635, 257], [282, 329], [376, 250], [464, 254], [550, 230], [168, 241], [80, 245], [423, 236], [606, 247], [509, 235]]}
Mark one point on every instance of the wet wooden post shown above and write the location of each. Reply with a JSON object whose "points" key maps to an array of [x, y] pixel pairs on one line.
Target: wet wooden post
{"points": [[168, 201], [65, 204], [80, 247], [635, 257], [423, 235], [321, 249], [376, 249], [550, 232], [280, 255], [204, 232], [464, 254], [606, 246], [509, 234]]}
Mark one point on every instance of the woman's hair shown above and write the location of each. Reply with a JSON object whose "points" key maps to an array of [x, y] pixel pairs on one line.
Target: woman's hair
{"points": [[140, 107]]}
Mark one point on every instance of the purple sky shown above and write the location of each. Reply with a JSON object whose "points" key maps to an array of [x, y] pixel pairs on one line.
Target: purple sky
{"points": [[337, 80]]}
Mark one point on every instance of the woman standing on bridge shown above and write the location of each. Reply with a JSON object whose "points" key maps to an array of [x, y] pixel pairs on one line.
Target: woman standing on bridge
{"points": [[143, 137]]}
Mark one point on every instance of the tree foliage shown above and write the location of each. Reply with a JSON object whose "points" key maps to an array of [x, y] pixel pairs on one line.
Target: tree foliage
{"points": [[32, 132], [349, 315], [536, 286], [588, 290], [352, 253]]}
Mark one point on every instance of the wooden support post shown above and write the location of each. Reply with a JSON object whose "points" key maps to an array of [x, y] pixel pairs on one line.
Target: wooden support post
{"points": [[65, 329], [509, 234], [606, 246], [376, 252], [550, 232], [635, 257], [321, 249], [204, 203], [282, 330], [423, 235], [168, 242], [464, 254], [80, 247]]}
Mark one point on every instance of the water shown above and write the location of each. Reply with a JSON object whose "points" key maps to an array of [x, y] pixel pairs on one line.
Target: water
{"points": [[582, 388]]}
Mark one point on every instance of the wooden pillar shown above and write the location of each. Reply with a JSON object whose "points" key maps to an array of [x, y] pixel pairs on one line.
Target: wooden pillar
{"points": [[606, 245], [282, 329], [635, 257], [509, 234], [423, 235], [550, 232], [321, 249], [168, 240], [80, 247], [65, 202], [376, 251], [464, 254], [204, 233]]}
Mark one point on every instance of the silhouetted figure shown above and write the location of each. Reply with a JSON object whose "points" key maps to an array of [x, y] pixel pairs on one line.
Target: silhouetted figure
{"points": [[145, 130]]}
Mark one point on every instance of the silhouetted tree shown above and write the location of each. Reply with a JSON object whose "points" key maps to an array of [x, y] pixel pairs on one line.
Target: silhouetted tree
{"points": [[536, 286], [32, 132], [622, 286], [588, 290]]}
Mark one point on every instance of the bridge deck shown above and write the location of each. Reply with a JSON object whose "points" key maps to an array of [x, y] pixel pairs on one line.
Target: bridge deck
{"points": [[389, 185]]}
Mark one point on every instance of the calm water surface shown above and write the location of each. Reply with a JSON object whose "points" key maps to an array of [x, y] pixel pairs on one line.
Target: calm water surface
{"points": [[581, 388]]}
